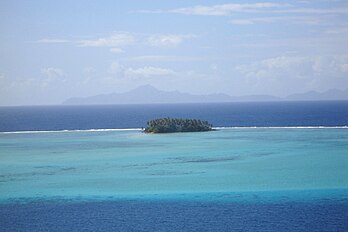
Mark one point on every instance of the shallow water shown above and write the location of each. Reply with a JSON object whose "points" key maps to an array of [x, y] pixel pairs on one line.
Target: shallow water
{"points": [[131, 164]]}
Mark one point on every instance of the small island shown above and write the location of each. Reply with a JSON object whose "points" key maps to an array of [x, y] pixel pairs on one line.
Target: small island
{"points": [[172, 125]]}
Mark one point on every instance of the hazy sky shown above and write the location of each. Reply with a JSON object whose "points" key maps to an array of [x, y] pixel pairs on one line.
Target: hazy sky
{"points": [[53, 50]]}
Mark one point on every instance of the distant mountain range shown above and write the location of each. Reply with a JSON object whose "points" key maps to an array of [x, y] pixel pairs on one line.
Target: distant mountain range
{"points": [[147, 94]]}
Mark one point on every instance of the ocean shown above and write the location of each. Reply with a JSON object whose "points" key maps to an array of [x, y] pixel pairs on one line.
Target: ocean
{"points": [[261, 114], [279, 166]]}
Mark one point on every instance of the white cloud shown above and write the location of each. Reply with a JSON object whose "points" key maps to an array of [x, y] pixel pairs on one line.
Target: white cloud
{"points": [[167, 40], [341, 10], [116, 50], [116, 68], [282, 19], [53, 41], [288, 74], [53, 73], [298, 67], [89, 70], [262, 7], [213, 66], [341, 30], [242, 21], [227, 9], [157, 58], [157, 11], [149, 71], [339, 64], [115, 40]]}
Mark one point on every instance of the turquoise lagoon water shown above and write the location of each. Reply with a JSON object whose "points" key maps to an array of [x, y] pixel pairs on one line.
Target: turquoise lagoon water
{"points": [[234, 164]]}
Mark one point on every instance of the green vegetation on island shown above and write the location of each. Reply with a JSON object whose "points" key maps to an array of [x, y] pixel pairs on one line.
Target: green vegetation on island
{"points": [[171, 125]]}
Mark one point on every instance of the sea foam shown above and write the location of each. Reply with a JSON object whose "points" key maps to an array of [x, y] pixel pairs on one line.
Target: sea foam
{"points": [[141, 129], [70, 131], [281, 127]]}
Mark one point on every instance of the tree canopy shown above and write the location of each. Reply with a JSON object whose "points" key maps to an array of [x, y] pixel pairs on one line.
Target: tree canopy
{"points": [[170, 125]]}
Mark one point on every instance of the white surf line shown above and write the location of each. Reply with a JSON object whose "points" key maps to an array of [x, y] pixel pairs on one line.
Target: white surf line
{"points": [[70, 131], [281, 127]]}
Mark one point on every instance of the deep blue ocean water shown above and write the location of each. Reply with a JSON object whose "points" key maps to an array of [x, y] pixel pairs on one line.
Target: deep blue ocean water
{"points": [[173, 216], [330, 113], [271, 178]]}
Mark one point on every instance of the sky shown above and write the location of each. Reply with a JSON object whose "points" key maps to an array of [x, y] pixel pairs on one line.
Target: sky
{"points": [[53, 50]]}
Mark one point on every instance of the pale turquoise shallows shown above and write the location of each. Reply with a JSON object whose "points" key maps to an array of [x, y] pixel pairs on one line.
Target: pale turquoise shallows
{"points": [[133, 164]]}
